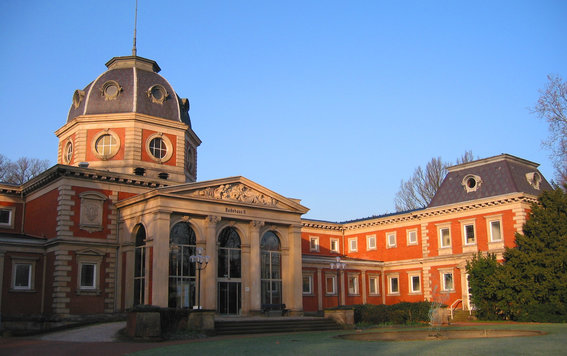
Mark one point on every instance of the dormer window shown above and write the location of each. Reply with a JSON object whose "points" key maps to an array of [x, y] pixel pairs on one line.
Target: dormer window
{"points": [[471, 183], [534, 178], [110, 90], [157, 94]]}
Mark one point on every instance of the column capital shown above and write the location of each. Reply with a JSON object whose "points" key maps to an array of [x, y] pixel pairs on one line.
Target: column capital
{"points": [[212, 219]]}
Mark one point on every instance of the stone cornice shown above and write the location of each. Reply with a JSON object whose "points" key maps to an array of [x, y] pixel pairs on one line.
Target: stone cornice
{"points": [[424, 213], [61, 171]]}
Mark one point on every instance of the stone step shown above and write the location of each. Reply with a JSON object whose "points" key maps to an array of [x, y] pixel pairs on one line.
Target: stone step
{"points": [[242, 326]]}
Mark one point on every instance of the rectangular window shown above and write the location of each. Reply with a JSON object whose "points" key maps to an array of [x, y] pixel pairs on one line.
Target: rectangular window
{"points": [[308, 284], [373, 285], [393, 285], [353, 244], [412, 237], [371, 242], [353, 285], [415, 283], [495, 231], [335, 245], [22, 276], [391, 239], [448, 284], [330, 284], [314, 243], [468, 231], [6, 217], [445, 237], [88, 276]]}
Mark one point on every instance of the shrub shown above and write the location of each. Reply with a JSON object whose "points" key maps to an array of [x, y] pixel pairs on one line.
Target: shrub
{"points": [[401, 313]]}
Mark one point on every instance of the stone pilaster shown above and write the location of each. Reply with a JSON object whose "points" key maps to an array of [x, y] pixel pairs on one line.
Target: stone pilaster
{"points": [[65, 204], [61, 282], [251, 278], [424, 240], [209, 275], [159, 233], [110, 283], [427, 292]]}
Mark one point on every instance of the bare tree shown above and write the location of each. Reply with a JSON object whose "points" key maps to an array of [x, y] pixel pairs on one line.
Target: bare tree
{"points": [[420, 188], [552, 106], [22, 170], [4, 163]]}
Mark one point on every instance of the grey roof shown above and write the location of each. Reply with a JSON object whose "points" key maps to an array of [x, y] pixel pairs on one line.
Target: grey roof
{"points": [[135, 77], [498, 175]]}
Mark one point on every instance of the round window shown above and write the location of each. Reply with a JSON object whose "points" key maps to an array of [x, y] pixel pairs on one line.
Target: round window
{"points": [[68, 153], [111, 90], [157, 94], [471, 182], [158, 149], [105, 144]]}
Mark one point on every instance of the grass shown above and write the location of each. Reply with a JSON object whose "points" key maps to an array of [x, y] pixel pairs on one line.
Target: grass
{"points": [[324, 343]]}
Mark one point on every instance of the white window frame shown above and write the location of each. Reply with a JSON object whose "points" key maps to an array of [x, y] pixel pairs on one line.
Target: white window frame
{"points": [[409, 233], [353, 244], [464, 225], [10, 223], [336, 241], [333, 279], [94, 284], [309, 277], [440, 230], [371, 242], [89, 257], [314, 243], [30, 265], [444, 273], [390, 279], [376, 284], [391, 239], [489, 223], [353, 289], [411, 276]]}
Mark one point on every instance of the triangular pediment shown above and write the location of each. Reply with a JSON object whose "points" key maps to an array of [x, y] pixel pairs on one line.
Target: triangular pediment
{"points": [[238, 190]]}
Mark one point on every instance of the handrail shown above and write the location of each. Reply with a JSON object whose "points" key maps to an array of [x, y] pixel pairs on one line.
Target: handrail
{"points": [[454, 306]]}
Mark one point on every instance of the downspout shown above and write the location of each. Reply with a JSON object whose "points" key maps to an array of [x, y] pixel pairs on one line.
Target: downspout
{"points": [[118, 267]]}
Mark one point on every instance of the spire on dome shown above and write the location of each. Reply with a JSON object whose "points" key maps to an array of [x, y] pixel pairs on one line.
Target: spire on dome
{"points": [[134, 51]]}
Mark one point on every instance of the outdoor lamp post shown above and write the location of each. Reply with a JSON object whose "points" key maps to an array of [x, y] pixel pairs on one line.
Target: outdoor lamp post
{"points": [[200, 264], [338, 266]]}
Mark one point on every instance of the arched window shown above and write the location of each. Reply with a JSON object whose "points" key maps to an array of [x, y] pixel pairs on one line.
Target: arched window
{"points": [[182, 244], [229, 272], [140, 266], [271, 264]]}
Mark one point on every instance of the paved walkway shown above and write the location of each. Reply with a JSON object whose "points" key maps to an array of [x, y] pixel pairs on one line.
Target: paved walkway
{"points": [[99, 339]]}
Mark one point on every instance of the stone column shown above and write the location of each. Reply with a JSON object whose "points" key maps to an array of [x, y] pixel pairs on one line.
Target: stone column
{"points": [[319, 289], [363, 280], [209, 274], [291, 271], [251, 283], [158, 232]]}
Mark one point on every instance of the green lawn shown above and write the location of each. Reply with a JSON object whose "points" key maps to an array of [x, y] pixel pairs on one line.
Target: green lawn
{"points": [[324, 343]]}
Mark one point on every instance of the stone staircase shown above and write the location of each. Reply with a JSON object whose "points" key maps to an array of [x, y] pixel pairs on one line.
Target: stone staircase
{"points": [[460, 315], [272, 325]]}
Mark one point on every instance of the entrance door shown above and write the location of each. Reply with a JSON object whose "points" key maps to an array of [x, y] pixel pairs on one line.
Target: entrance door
{"points": [[229, 272], [229, 297]]}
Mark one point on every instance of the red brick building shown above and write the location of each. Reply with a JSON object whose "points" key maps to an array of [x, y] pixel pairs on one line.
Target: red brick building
{"points": [[114, 224]]}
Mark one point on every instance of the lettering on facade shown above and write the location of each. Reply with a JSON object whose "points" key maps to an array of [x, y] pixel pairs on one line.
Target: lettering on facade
{"points": [[235, 211]]}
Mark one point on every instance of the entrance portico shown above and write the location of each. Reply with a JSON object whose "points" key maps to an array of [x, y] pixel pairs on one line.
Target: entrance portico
{"points": [[251, 234]]}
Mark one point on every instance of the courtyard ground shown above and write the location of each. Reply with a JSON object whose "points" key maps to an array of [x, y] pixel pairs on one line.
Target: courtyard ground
{"points": [[308, 343]]}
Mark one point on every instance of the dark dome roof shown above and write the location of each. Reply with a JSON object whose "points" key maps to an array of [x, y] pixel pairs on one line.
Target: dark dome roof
{"points": [[130, 85]]}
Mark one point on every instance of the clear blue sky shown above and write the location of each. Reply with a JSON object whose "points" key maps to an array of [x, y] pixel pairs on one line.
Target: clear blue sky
{"points": [[331, 102]]}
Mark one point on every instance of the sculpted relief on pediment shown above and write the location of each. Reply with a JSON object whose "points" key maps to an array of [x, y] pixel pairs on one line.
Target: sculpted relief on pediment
{"points": [[237, 192]]}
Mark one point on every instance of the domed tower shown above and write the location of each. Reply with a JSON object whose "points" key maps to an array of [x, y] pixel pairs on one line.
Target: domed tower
{"points": [[130, 120]]}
